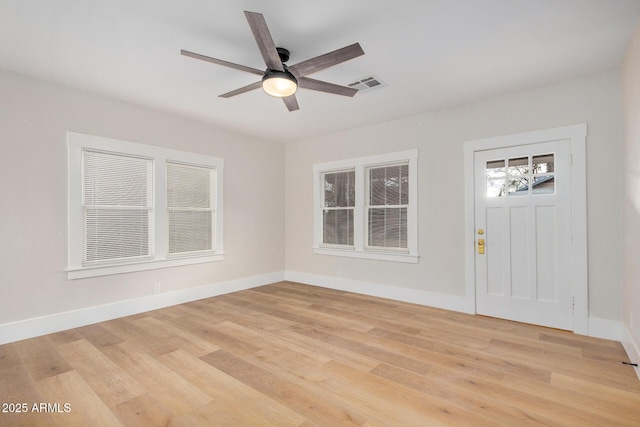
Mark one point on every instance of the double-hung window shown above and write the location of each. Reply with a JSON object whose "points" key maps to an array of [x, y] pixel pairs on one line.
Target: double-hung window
{"points": [[190, 209], [386, 206], [136, 207], [117, 207], [338, 208], [367, 207]]}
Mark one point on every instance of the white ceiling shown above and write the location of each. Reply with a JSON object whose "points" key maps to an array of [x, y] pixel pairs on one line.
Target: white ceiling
{"points": [[429, 53]]}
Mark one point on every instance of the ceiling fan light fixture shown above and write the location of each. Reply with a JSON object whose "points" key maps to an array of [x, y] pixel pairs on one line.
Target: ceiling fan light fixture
{"points": [[279, 83]]}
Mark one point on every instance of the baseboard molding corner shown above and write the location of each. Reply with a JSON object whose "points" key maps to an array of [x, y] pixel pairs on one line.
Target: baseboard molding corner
{"points": [[415, 296], [632, 348], [29, 328]]}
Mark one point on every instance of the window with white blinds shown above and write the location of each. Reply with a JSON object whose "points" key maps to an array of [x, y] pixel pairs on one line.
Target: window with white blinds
{"points": [[388, 202], [117, 207], [190, 209], [338, 207], [136, 207], [367, 207]]}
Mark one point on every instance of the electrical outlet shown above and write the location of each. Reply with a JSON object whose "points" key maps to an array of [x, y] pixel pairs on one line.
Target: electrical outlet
{"points": [[338, 273], [156, 288]]}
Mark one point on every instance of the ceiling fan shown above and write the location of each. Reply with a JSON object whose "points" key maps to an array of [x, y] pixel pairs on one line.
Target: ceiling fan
{"points": [[281, 80]]}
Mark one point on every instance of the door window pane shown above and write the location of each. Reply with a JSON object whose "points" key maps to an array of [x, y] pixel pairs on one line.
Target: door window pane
{"points": [[518, 186], [543, 163], [544, 177], [496, 187], [544, 185], [521, 176], [519, 166], [495, 169]]}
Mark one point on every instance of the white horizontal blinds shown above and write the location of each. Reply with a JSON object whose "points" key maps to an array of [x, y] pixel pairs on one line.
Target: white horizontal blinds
{"points": [[117, 204], [338, 207], [387, 204], [190, 209]]}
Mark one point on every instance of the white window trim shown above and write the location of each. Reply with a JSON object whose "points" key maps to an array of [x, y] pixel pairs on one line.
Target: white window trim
{"points": [[76, 142], [360, 250]]}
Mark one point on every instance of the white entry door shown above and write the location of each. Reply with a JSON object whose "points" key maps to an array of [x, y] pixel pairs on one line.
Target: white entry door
{"points": [[523, 233]]}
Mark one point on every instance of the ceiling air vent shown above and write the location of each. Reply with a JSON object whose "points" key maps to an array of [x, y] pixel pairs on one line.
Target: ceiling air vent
{"points": [[366, 83]]}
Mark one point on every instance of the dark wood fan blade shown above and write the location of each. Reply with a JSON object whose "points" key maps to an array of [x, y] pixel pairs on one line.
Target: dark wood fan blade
{"points": [[265, 42], [291, 102], [327, 60], [307, 83], [223, 63], [244, 89]]}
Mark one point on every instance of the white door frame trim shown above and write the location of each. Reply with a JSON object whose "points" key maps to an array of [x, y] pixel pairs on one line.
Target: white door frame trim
{"points": [[577, 135]]}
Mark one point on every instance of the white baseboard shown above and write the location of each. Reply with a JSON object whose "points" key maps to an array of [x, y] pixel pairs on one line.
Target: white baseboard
{"points": [[616, 331], [415, 296], [599, 328], [29, 328], [632, 348], [606, 329]]}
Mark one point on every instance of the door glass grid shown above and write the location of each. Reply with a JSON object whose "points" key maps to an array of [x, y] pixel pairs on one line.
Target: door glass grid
{"points": [[521, 176]]}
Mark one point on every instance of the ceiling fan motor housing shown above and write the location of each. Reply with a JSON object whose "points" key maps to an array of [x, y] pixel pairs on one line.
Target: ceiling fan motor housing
{"points": [[283, 54]]}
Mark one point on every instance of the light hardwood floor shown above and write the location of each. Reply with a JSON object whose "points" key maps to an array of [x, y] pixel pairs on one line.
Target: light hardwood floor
{"points": [[294, 355]]}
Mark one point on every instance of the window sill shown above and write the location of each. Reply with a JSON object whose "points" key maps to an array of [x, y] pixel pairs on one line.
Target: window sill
{"points": [[380, 256], [84, 272]]}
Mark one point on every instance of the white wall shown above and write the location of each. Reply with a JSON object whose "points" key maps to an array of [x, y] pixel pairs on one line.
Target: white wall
{"points": [[35, 115], [631, 196], [439, 136], [34, 118]]}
